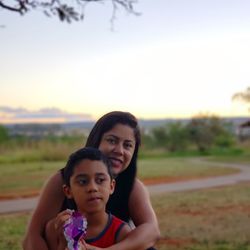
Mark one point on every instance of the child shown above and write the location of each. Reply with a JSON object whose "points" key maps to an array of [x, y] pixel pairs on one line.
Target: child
{"points": [[89, 182]]}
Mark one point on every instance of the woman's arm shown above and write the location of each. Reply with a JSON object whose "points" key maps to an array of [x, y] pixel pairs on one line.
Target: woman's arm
{"points": [[125, 230], [54, 234], [147, 230], [49, 205]]}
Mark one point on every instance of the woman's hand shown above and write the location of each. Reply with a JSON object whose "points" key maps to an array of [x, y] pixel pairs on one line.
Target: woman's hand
{"points": [[54, 230], [60, 220]]}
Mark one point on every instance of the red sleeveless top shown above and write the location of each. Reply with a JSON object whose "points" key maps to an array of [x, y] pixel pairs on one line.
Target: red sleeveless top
{"points": [[109, 234]]}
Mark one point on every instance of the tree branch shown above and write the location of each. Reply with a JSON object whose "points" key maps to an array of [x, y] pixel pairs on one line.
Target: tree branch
{"points": [[16, 9], [66, 10]]}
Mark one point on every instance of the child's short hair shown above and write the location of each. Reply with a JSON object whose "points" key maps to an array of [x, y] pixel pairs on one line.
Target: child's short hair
{"points": [[88, 153]]}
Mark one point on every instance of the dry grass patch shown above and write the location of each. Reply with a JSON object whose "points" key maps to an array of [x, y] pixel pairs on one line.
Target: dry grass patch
{"points": [[217, 218]]}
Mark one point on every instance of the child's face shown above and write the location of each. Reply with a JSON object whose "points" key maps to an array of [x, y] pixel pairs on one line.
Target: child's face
{"points": [[90, 186]]}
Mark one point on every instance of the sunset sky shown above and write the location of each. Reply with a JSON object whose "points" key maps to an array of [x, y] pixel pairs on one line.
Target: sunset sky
{"points": [[177, 59]]}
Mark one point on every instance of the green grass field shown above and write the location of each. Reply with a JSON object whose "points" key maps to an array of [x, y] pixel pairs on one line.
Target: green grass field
{"points": [[211, 219], [12, 229], [25, 179]]}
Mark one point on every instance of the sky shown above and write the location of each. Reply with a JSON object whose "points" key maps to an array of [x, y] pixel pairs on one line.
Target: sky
{"points": [[176, 59]]}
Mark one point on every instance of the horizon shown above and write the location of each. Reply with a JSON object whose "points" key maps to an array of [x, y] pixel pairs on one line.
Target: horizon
{"points": [[37, 122]]}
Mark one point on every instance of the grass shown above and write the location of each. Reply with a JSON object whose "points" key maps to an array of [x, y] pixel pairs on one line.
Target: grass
{"points": [[12, 229], [216, 219], [244, 159], [27, 178], [212, 219], [37, 151], [208, 219], [178, 168]]}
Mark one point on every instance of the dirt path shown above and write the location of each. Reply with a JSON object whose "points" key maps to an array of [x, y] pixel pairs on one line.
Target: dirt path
{"points": [[243, 175], [27, 204]]}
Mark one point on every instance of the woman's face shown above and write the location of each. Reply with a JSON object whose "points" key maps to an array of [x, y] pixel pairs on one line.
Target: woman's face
{"points": [[118, 144]]}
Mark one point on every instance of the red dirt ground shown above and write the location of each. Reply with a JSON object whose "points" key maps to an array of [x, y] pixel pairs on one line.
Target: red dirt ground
{"points": [[158, 180], [178, 242], [148, 181], [219, 209]]}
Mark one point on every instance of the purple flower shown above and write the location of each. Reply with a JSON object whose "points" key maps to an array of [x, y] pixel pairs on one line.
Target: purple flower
{"points": [[75, 229]]}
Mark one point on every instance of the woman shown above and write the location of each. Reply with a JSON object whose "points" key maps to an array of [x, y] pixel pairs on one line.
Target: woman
{"points": [[117, 135]]}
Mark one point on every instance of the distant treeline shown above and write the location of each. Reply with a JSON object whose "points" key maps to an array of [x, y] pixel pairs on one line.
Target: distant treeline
{"points": [[203, 134]]}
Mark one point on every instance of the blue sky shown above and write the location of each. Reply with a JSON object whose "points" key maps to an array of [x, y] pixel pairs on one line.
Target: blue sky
{"points": [[177, 59]]}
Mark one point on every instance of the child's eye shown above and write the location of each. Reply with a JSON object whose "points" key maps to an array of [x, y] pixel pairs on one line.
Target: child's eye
{"points": [[100, 180]]}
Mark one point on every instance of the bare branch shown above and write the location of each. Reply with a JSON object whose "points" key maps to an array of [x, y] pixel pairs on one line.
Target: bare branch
{"points": [[64, 10], [21, 8]]}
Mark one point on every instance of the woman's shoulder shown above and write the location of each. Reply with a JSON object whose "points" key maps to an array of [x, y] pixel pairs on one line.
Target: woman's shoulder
{"points": [[57, 176], [139, 183], [54, 183], [140, 208], [138, 187]]}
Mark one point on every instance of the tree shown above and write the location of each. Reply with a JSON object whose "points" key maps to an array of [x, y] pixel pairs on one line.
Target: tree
{"points": [[177, 137], [242, 96], [206, 131], [3, 134], [65, 11], [160, 136], [200, 133], [172, 136]]}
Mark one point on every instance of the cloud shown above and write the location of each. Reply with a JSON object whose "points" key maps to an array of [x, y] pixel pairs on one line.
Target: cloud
{"points": [[44, 115], [7, 109]]}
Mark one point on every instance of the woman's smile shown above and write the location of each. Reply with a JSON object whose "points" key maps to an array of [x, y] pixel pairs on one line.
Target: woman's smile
{"points": [[116, 163]]}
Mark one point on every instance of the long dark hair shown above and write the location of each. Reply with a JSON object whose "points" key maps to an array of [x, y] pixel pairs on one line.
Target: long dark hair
{"points": [[118, 202]]}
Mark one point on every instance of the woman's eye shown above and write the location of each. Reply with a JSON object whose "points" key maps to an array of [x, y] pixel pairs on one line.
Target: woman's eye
{"points": [[128, 145], [82, 182], [111, 140]]}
